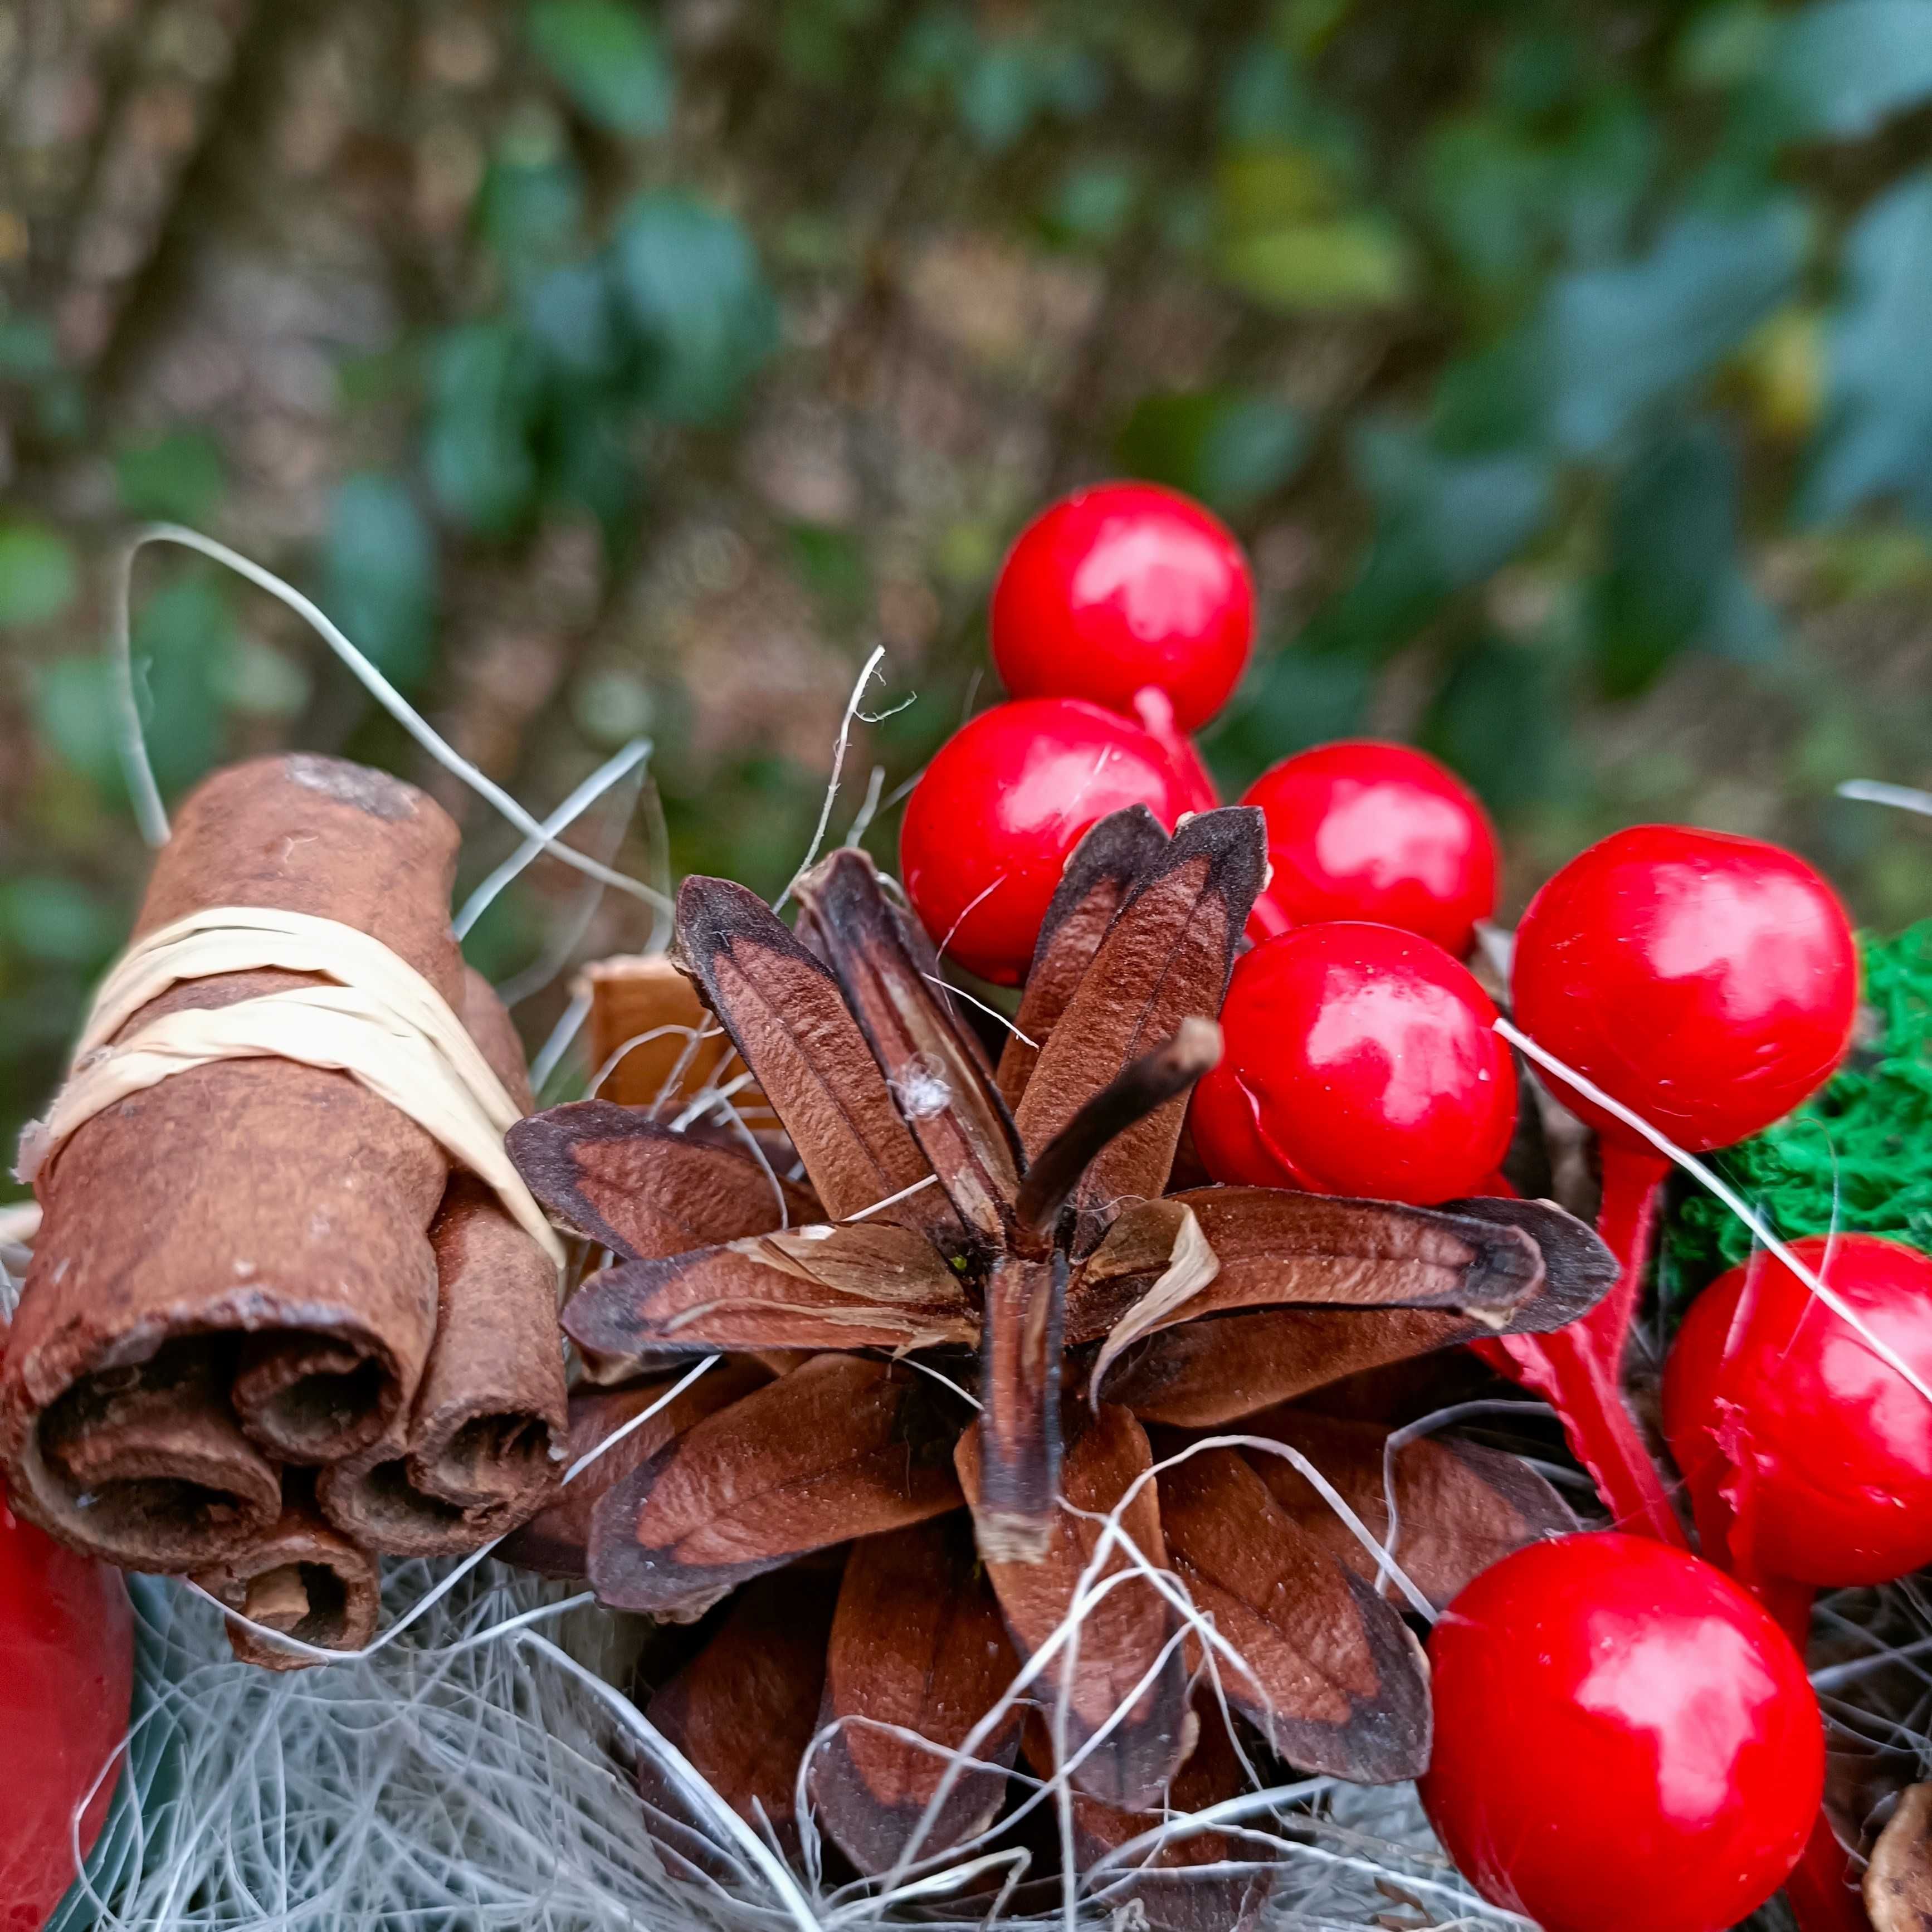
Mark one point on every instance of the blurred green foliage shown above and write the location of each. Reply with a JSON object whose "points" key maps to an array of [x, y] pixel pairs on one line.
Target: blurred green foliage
{"points": [[1531, 344]]}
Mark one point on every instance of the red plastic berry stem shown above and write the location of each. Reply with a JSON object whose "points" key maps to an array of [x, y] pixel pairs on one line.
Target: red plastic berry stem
{"points": [[1579, 1369]]}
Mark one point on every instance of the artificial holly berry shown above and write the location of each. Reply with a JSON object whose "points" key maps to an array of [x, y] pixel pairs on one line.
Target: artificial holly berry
{"points": [[1361, 829], [1119, 587], [1708, 982], [991, 823], [1624, 1739], [1358, 1060], [1810, 1457], [67, 1676]]}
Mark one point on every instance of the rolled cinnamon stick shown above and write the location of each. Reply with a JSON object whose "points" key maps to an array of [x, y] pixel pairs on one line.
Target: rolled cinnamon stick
{"points": [[301, 1578], [234, 1266], [484, 1449]]}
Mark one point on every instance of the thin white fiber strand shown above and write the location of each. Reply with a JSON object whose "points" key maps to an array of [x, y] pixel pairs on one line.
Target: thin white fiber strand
{"points": [[960, 993], [1725, 1193], [838, 750], [1876, 791], [562, 1037], [580, 801], [148, 809]]}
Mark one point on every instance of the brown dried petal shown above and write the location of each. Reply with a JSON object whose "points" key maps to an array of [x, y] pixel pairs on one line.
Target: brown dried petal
{"points": [[1186, 1902], [784, 1011], [1898, 1881], [917, 1643], [868, 1284], [1459, 1507], [1165, 958], [935, 1069], [1207, 1373], [556, 1543], [635, 1187], [1278, 1249], [745, 1708], [1334, 1680], [1578, 1268], [1101, 871], [1018, 1431], [845, 1446], [1122, 1636]]}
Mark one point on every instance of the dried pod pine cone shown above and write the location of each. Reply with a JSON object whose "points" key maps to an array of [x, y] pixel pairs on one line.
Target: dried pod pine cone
{"points": [[962, 1335]]}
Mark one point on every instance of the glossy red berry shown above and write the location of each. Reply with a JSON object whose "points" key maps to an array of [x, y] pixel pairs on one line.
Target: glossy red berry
{"points": [[1624, 1739], [67, 1675], [1708, 982], [1007, 797], [1121, 587], [1361, 829], [1820, 1452], [1358, 1060]]}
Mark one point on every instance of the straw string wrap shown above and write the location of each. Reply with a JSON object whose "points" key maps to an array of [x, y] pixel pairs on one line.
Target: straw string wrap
{"points": [[379, 1021]]}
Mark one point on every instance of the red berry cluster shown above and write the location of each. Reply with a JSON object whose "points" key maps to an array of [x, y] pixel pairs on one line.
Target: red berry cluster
{"points": [[1625, 1735]]}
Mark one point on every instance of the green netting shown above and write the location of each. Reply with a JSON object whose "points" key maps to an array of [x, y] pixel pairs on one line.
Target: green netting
{"points": [[1857, 1156]]}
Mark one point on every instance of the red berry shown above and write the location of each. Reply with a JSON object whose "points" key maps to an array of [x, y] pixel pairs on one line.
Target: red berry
{"points": [[1708, 982], [1624, 1739], [1362, 829], [1121, 587], [1008, 797], [67, 1675], [1359, 1060], [1821, 1451]]}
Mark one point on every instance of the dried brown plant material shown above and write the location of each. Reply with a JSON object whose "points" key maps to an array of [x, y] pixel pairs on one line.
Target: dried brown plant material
{"points": [[483, 1449], [634, 996], [1219, 1303], [1126, 1631], [251, 1225], [631, 1183], [1173, 1893], [917, 1646], [1898, 1880], [744, 1708], [844, 1447], [868, 1284], [1165, 959], [1098, 877], [1333, 1682], [790, 1021], [556, 1542], [1459, 1506], [935, 1067], [300, 1577]]}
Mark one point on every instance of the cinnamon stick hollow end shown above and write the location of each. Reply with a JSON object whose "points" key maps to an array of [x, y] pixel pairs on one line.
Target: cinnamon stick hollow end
{"points": [[233, 1268], [301, 1578]]}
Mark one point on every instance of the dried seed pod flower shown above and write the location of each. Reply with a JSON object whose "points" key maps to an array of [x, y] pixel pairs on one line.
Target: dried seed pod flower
{"points": [[1000, 1240]]}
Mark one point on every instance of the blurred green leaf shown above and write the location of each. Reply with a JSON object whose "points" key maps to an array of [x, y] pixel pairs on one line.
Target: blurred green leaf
{"points": [[183, 647], [530, 209], [1622, 339], [483, 402], [1229, 448], [38, 575], [690, 277], [260, 682], [1725, 45], [832, 564], [1497, 718], [27, 347], [571, 314], [1092, 203], [57, 921], [1298, 697], [1877, 436], [379, 575], [1672, 580], [179, 477], [607, 57], [73, 710], [1353, 262], [1843, 67]]}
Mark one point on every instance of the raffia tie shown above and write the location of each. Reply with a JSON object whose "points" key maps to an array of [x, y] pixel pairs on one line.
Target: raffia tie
{"points": [[379, 1021]]}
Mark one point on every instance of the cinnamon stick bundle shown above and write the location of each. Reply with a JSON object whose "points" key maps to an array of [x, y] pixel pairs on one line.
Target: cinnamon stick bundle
{"points": [[234, 1269], [301, 1578], [483, 1449]]}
